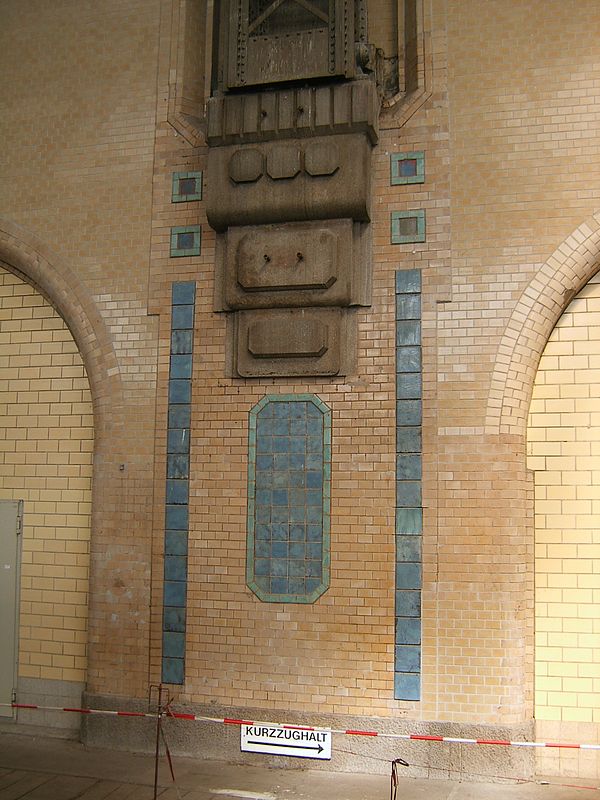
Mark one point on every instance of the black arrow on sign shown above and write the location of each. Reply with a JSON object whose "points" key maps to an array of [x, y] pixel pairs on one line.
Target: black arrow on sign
{"points": [[319, 749]]}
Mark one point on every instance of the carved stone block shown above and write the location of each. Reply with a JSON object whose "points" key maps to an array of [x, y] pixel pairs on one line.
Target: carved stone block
{"points": [[298, 264], [332, 184], [283, 161], [322, 158], [289, 342], [246, 166], [296, 112]]}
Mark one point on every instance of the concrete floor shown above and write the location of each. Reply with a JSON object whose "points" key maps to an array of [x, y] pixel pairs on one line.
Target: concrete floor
{"points": [[37, 768]]}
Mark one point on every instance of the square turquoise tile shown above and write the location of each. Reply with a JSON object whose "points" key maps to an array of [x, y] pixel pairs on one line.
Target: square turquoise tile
{"points": [[407, 686], [186, 187], [407, 168], [185, 241], [408, 227]]}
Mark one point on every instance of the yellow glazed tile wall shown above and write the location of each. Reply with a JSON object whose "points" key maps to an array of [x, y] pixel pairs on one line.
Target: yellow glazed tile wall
{"points": [[564, 452], [336, 655], [523, 130], [486, 128], [77, 124], [383, 26], [46, 442], [509, 127]]}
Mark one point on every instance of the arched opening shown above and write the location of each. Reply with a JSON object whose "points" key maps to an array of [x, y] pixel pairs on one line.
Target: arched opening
{"points": [[542, 392], [46, 450], [563, 435], [51, 286]]}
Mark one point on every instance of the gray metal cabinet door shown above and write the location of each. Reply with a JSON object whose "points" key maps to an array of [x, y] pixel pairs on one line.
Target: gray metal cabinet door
{"points": [[10, 540]]}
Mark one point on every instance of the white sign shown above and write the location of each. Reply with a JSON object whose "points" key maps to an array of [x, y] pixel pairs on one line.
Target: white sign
{"points": [[280, 740]]}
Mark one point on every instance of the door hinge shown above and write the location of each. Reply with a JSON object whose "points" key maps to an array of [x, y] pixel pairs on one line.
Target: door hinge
{"points": [[20, 518]]}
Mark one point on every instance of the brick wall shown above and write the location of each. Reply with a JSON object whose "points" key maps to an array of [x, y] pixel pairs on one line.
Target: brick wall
{"points": [[507, 119], [78, 111]]}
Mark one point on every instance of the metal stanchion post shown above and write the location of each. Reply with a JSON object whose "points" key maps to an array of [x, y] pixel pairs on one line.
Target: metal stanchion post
{"points": [[157, 752], [394, 778], [159, 715]]}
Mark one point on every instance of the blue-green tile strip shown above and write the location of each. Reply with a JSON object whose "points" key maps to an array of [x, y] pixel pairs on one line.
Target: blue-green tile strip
{"points": [[409, 511], [177, 482], [289, 493]]}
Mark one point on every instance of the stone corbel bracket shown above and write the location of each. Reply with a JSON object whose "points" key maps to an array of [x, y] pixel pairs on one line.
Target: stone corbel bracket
{"points": [[325, 177], [290, 174], [293, 265], [294, 113]]}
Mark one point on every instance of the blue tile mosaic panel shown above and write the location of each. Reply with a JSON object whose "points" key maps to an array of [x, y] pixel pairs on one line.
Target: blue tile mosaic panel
{"points": [[409, 510], [289, 477], [183, 296]]}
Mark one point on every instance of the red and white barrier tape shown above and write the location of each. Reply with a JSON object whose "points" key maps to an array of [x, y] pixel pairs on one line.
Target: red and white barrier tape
{"points": [[419, 737], [29, 706]]}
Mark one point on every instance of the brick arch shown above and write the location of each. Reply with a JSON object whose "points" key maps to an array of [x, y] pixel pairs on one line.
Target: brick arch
{"points": [[567, 270], [26, 256], [117, 476]]}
